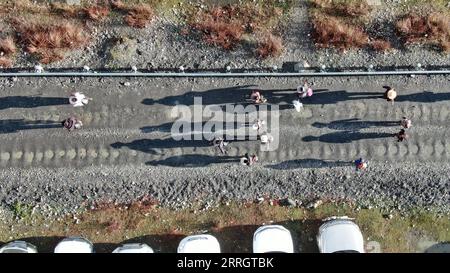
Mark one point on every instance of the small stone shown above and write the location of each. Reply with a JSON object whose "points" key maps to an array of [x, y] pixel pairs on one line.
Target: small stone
{"points": [[287, 202], [315, 204], [126, 83]]}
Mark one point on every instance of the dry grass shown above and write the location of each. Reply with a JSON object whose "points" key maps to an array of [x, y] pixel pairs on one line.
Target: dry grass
{"points": [[96, 13], [5, 62], [65, 10], [138, 16], [270, 46], [224, 26], [333, 32], [381, 45], [7, 46], [50, 41], [345, 8], [433, 29]]}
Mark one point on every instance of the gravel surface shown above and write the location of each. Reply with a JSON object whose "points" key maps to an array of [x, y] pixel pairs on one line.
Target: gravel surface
{"points": [[161, 45], [51, 168]]}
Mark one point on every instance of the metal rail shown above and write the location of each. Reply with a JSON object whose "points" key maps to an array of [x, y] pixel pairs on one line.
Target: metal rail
{"points": [[224, 74]]}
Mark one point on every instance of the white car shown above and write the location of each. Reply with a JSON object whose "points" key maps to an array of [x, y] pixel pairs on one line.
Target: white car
{"points": [[133, 248], [18, 247], [74, 245], [272, 238], [340, 234], [204, 243]]}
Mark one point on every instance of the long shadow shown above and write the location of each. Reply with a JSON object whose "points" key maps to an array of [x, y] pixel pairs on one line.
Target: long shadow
{"points": [[30, 102], [148, 145], [308, 163], [193, 161], [354, 124], [229, 95], [345, 137], [331, 97], [16, 125], [425, 96], [162, 243]]}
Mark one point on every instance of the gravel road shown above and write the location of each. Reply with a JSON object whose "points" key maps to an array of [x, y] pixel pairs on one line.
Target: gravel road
{"points": [[125, 150]]}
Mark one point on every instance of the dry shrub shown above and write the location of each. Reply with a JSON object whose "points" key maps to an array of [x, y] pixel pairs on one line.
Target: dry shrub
{"points": [[434, 29], [65, 9], [381, 45], [5, 62], [117, 4], [139, 16], [224, 25], [332, 32], [345, 8], [96, 13], [270, 46], [7, 46], [49, 42]]}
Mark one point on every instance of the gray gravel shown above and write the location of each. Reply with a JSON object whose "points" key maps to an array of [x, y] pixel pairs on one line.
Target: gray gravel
{"points": [[160, 45]]}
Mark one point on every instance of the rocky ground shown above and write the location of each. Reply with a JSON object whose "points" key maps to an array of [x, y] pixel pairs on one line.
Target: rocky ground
{"points": [[161, 45], [125, 151]]}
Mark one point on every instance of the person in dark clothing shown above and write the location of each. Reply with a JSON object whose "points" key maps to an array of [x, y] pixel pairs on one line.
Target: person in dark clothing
{"points": [[401, 135]]}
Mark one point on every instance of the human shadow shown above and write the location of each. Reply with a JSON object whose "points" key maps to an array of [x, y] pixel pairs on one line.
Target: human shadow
{"points": [[193, 160], [160, 243], [149, 145], [308, 163], [354, 124], [442, 247], [228, 95], [426, 97], [346, 137], [331, 97], [16, 125], [30, 102]]}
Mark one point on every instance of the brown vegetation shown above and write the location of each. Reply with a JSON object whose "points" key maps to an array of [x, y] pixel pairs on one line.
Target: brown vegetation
{"points": [[381, 45], [270, 46], [96, 13], [7, 46], [333, 32], [49, 42], [224, 25], [433, 29], [138, 16], [346, 8], [5, 62]]}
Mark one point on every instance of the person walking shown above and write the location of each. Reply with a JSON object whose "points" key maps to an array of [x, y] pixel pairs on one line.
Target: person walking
{"points": [[249, 160], [361, 164], [304, 90], [78, 99], [390, 94], [401, 135], [406, 123], [220, 143], [256, 97], [258, 125], [72, 123]]}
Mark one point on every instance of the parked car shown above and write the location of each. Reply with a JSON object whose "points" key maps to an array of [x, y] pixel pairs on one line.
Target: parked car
{"points": [[340, 234], [74, 245], [204, 243], [18, 247], [134, 248], [272, 238]]}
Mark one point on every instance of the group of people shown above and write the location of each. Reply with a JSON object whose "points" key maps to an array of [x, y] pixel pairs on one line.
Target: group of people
{"points": [[76, 99]]}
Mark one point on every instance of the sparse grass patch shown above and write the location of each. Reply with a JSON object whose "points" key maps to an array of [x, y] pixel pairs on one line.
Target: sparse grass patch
{"points": [[225, 26], [7, 46], [21, 211], [380, 45], [138, 16], [49, 42], [270, 46], [333, 32], [344, 8], [96, 13], [432, 29], [5, 62]]}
